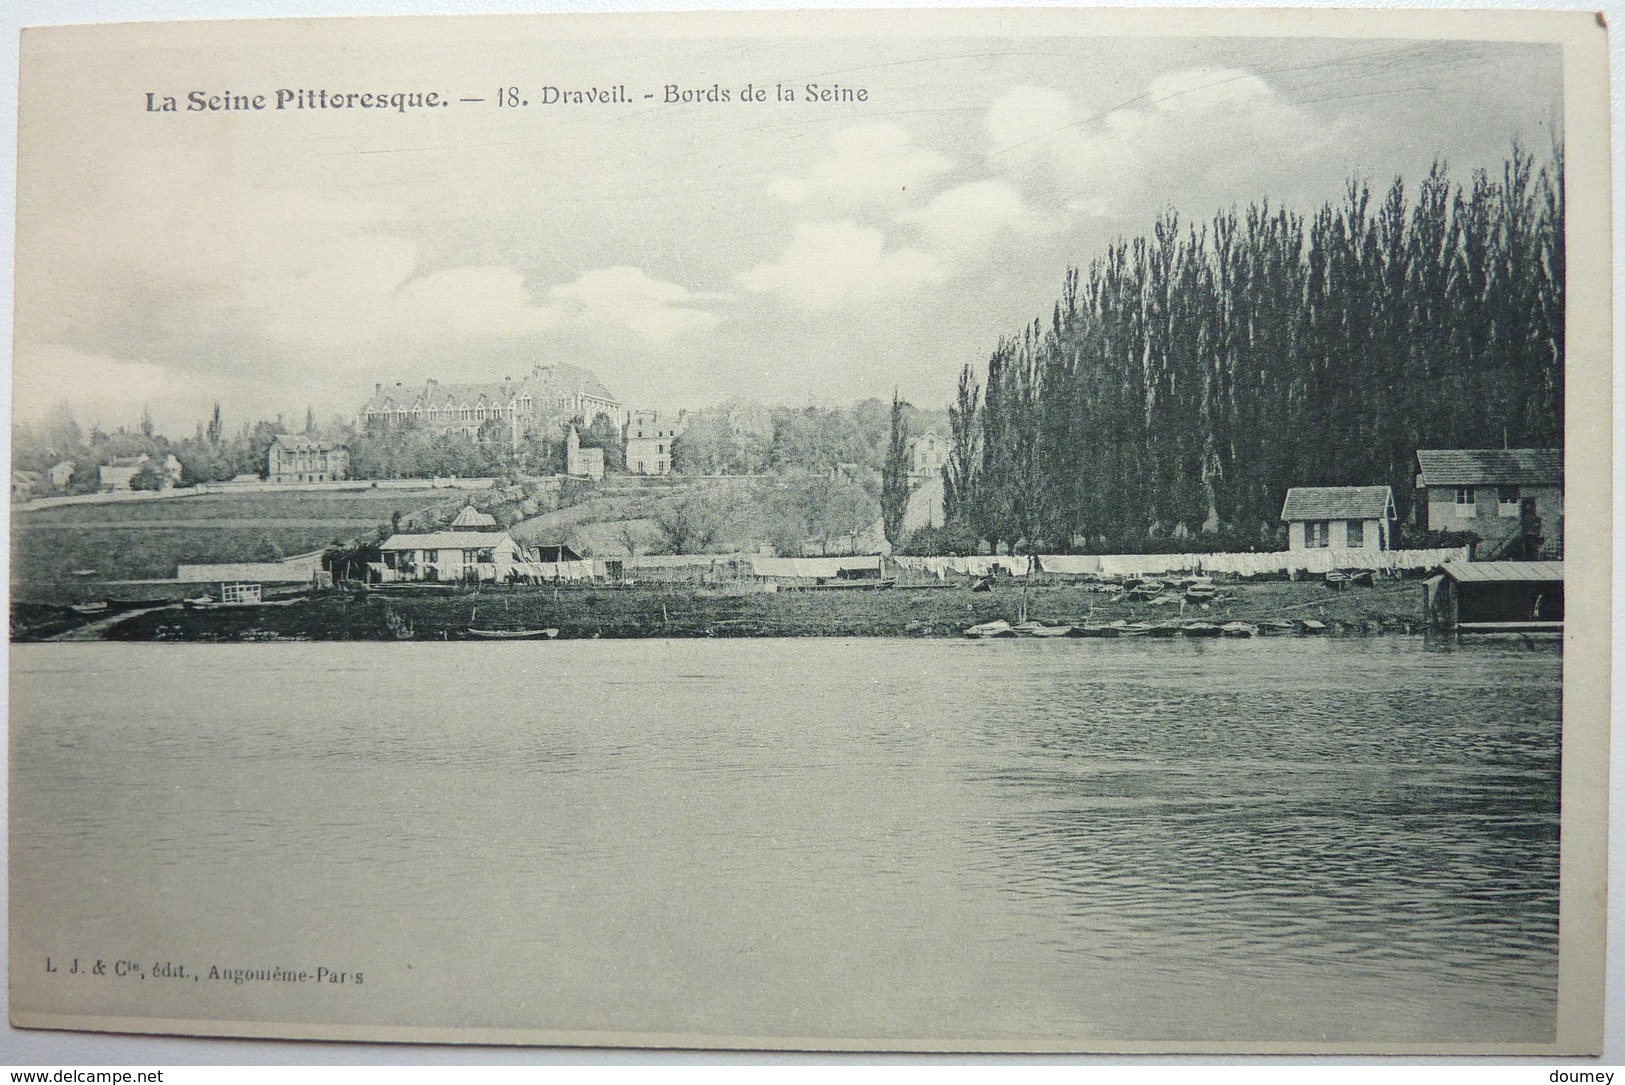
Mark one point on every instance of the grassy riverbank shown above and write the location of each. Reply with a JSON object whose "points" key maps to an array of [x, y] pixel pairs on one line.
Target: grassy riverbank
{"points": [[431, 613]]}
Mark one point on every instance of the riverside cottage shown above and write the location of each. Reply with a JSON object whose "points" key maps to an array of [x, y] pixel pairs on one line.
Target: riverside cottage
{"points": [[1339, 517], [448, 556], [1511, 498]]}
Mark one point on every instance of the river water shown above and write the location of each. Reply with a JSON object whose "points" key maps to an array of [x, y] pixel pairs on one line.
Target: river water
{"points": [[1056, 841]]}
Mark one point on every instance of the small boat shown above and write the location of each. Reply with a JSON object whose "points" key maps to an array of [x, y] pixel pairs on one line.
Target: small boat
{"points": [[1200, 629], [1000, 628], [1312, 626], [1200, 590], [1145, 588], [1277, 625], [1136, 629], [1089, 630], [1239, 629], [513, 634], [1039, 629], [89, 608]]}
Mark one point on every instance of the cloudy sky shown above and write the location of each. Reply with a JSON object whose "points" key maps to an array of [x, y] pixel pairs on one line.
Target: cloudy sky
{"points": [[793, 252]]}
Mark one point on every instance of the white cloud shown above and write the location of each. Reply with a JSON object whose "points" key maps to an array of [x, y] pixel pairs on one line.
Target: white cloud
{"points": [[1023, 123], [611, 298], [830, 264], [866, 165], [972, 215], [1192, 139]]}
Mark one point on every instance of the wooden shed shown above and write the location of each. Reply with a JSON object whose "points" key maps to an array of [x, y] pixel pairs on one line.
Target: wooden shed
{"points": [[1496, 597]]}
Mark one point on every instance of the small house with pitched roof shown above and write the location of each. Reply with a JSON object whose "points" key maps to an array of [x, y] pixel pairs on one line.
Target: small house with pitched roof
{"points": [[449, 556], [1339, 517], [1511, 498]]}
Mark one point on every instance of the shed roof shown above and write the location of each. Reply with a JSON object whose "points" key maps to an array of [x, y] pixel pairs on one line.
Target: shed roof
{"points": [[1338, 503], [1522, 572], [1490, 466], [474, 518], [447, 540]]}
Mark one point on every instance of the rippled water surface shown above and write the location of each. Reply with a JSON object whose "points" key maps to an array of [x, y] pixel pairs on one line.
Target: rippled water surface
{"points": [[1064, 841]]}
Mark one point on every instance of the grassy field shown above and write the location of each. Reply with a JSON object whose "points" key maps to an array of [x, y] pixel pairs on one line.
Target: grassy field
{"points": [[291, 505], [65, 553], [433, 613]]}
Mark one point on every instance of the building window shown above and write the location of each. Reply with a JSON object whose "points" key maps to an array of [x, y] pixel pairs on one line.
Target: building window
{"points": [[1356, 534], [1317, 534], [1466, 501], [1508, 500]]}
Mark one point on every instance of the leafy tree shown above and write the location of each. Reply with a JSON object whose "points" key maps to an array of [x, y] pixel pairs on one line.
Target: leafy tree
{"points": [[1189, 376], [894, 487], [964, 452], [150, 476], [688, 524], [602, 432]]}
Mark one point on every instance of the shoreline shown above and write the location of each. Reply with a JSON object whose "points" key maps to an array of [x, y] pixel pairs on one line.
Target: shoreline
{"points": [[687, 611]]}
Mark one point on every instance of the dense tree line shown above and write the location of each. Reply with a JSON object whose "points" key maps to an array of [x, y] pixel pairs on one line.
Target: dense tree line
{"points": [[413, 449], [1187, 378], [211, 455], [742, 438]]}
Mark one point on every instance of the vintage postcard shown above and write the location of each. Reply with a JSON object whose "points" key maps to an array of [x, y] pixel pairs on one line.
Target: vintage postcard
{"points": [[1003, 530]]}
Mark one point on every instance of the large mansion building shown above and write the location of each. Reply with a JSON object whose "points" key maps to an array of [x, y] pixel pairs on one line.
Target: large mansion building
{"points": [[649, 435], [506, 410]]}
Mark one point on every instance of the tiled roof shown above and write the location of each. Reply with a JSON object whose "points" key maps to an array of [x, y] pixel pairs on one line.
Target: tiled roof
{"points": [[301, 443], [1338, 503], [472, 517], [448, 540], [1491, 466], [1511, 571], [542, 382]]}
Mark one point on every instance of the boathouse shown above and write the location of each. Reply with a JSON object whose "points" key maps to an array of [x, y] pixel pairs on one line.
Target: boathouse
{"points": [[1495, 597]]}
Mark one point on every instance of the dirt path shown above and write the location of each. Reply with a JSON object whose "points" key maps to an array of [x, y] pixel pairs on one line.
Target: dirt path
{"points": [[95, 629]]}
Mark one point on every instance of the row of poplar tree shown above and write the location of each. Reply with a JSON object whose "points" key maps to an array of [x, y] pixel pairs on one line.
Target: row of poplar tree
{"points": [[1189, 377]]}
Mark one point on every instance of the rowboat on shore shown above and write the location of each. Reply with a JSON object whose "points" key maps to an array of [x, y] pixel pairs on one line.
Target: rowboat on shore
{"points": [[513, 634], [1093, 629], [986, 630], [1201, 590], [1145, 588], [1239, 629], [1039, 629]]}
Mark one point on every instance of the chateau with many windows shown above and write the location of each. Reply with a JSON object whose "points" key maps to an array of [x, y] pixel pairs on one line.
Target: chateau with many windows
{"points": [[506, 410]]}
